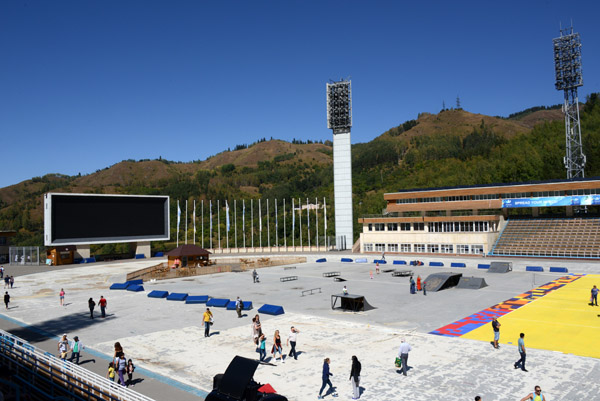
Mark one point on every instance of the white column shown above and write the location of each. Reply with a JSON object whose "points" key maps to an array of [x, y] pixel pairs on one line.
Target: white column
{"points": [[342, 182]]}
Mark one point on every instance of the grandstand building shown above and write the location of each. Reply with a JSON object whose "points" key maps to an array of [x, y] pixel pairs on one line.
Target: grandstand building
{"points": [[549, 218]]}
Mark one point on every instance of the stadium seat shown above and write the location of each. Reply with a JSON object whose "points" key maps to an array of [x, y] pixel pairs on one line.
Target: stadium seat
{"points": [[158, 294], [271, 309]]}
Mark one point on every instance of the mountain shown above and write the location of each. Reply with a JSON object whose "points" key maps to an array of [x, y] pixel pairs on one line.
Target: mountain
{"points": [[453, 147]]}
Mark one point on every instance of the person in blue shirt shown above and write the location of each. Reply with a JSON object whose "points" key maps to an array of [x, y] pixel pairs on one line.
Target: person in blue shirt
{"points": [[521, 362], [326, 381], [594, 296]]}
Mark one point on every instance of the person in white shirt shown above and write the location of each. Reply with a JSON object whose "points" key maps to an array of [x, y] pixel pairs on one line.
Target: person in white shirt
{"points": [[291, 341], [403, 354], [345, 290]]}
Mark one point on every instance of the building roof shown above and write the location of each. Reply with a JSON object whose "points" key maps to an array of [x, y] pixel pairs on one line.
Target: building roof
{"points": [[188, 250], [510, 184]]}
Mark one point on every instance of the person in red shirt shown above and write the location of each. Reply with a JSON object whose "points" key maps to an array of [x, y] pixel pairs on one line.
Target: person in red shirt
{"points": [[102, 304]]}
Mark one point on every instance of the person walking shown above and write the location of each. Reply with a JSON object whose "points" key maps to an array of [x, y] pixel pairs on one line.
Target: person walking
{"points": [[91, 305], [383, 255], [424, 287], [594, 297], [208, 321], [6, 299], [403, 354], [239, 305], [130, 370], [12, 281], [419, 283], [102, 302], [61, 296], [291, 341], [6, 281], [262, 352], [277, 347], [1, 271], [121, 368], [496, 327], [521, 362], [63, 347], [254, 276], [412, 285], [535, 396], [326, 380], [111, 371], [355, 377], [76, 347]]}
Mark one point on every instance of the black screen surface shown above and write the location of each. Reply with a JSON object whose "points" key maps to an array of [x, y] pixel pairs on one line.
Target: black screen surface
{"points": [[79, 218]]}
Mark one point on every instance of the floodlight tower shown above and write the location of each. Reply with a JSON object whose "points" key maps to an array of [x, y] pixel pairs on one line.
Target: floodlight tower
{"points": [[339, 119], [567, 67]]}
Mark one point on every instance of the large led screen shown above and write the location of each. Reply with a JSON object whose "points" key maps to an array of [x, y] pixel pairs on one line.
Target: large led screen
{"points": [[92, 219]]}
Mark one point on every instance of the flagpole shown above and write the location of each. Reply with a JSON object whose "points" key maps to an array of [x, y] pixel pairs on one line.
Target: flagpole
{"points": [[293, 225], [186, 221], [219, 222], [244, 222], [202, 213], [325, 219], [317, 222], [178, 220], [268, 228], [284, 237], [252, 222], [300, 220], [259, 225], [308, 223], [194, 214], [227, 221], [235, 222], [210, 227]]}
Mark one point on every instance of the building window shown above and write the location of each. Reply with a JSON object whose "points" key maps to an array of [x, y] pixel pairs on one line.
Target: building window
{"points": [[404, 247], [447, 248], [370, 227], [392, 226], [380, 247], [392, 247], [368, 247], [405, 226], [419, 226], [3, 241], [420, 248], [462, 249], [379, 227], [433, 248], [477, 249]]}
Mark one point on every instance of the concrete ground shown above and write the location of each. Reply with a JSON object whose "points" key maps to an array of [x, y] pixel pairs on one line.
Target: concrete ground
{"points": [[166, 341]]}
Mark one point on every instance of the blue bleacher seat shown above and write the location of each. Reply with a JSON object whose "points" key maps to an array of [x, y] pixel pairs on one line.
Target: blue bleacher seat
{"points": [[321, 260], [380, 261], [247, 305], [140, 256], [483, 266], [158, 294], [439, 264], [119, 286], [457, 264], [271, 309], [135, 288], [559, 270], [197, 299], [177, 296], [135, 282], [399, 262], [218, 302], [346, 260], [159, 254], [534, 269]]}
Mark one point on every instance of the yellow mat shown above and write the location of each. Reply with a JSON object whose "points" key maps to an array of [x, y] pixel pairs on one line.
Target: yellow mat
{"points": [[562, 321]]}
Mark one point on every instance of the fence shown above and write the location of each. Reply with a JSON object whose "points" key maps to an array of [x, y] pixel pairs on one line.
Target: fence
{"points": [[24, 255], [49, 377]]}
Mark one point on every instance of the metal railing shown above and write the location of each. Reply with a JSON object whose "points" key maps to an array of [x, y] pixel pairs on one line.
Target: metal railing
{"points": [[42, 372]]}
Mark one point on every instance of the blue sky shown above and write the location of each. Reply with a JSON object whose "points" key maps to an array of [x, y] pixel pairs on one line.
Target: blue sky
{"points": [[86, 84]]}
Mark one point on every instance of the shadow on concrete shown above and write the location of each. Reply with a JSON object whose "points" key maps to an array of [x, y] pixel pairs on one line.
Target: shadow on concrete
{"points": [[69, 324]]}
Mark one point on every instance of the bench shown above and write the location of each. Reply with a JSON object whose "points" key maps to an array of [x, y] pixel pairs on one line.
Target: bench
{"points": [[347, 260], [399, 262], [402, 273], [439, 264], [332, 274], [534, 269], [457, 264], [140, 256], [322, 260], [559, 270], [380, 261], [289, 267], [361, 260], [483, 266], [288, 278], [311, 291]]}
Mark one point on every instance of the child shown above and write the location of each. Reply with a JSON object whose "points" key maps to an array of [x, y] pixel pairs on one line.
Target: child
{"points": [[261, 349], [111, 371], [130, 369]]}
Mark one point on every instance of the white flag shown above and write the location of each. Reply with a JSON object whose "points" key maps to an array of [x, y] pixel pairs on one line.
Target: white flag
{"points": [[178, 215], [210, 209], [227, 215]]}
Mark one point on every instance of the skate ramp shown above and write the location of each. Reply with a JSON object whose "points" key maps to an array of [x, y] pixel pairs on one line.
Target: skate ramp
{"points": [[500, 267], [441, 281], [471, 283]]}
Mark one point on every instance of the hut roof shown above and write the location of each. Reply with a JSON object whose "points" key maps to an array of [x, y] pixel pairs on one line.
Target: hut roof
{"points": [[188, 250]]}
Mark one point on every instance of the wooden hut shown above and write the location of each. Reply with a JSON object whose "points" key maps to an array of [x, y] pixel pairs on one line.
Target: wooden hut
{"points": [[188, 256], [61, 255]]}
